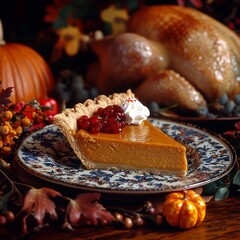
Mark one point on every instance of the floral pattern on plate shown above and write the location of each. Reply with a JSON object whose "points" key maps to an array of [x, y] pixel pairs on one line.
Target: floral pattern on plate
{"points": [[47, 155]]}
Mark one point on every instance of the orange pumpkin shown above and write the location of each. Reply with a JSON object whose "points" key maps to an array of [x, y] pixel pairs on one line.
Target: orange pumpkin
{"points": [[184, 209], [24, 69]]}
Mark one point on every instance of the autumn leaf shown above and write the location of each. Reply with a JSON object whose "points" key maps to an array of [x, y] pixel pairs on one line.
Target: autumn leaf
{"points": [[236, 132], [4, 95], [69, 40], [117, 18], [38, 203], [85, 208]]}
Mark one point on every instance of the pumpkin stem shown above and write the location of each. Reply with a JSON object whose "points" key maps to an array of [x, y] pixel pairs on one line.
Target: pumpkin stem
{"points": [[185, 195], [2, 42]]}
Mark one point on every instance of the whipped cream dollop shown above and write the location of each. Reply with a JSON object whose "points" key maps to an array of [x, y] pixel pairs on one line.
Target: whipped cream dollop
{"points": [[135, 111]]}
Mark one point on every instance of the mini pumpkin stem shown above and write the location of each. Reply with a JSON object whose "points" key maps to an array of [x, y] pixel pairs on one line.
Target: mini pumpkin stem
{"points": [[185, 195], [2, 42]]}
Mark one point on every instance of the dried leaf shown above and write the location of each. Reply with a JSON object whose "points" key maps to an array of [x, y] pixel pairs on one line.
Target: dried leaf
{"points": [[234, 133], [85, 208], [5, 166], [207, 198], [4, 96], [37, 201], [198, 190]]}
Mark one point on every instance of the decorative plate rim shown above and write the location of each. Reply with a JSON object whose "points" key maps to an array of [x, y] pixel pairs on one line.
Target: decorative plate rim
{"points": [[75, 186]]}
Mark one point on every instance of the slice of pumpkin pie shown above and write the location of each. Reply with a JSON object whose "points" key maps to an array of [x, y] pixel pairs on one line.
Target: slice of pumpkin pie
{"points": [[113, 132]]}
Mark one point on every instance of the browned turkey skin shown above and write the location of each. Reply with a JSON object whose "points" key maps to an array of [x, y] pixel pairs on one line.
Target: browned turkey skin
{"points": [[178, 53]]}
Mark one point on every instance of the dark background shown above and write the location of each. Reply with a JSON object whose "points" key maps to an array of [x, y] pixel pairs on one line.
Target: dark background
{"points": [[23, 20]]}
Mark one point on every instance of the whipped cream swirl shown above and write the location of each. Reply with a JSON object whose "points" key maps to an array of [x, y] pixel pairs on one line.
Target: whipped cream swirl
{"points": [[135, 111]]}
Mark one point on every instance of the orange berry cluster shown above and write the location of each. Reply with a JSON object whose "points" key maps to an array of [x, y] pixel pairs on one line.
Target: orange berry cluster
{"points": [[17, 119], [10, 130]]}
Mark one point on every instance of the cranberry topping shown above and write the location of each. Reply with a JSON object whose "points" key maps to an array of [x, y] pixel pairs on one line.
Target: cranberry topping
{"points": [[108, 120]]}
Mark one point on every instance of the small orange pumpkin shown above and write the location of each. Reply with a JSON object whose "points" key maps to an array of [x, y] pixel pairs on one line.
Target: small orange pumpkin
{"points": [[24, 69], [184, 209]]}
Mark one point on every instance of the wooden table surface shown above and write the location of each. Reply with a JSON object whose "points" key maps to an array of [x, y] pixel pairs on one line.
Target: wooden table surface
{"points": [[222, 222]]}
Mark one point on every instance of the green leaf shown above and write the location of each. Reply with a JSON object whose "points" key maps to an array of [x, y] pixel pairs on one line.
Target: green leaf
{"points": [[212, 188], [59, 23], [236, 179], [222, 193]]}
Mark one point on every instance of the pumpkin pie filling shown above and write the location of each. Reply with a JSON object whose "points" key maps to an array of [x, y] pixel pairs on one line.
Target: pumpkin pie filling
{"points": [[143, 147]]}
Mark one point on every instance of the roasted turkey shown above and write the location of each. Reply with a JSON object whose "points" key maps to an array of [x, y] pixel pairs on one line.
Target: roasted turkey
{"points": [[171, 55]]}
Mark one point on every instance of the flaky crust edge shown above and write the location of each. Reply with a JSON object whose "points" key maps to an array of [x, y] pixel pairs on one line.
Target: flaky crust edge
{"points": [[67, 120]]}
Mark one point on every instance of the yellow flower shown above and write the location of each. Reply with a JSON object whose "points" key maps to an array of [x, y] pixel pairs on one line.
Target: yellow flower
{"points": [[18, 130], [26, 122], [4, 130], [6, 116]]}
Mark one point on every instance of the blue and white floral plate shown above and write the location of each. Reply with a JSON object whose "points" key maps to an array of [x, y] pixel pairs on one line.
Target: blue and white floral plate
{"points": [[47, 155]]}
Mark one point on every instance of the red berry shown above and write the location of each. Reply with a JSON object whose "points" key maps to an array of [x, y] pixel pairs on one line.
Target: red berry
{"points": [[94, 120], [99, 112], [112, 120], [108, 111], [109, 120], [83, 122], [94, 129], [117, 108], [115, 127]]}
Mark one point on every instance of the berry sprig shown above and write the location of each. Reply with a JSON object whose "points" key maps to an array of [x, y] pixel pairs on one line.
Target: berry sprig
{"points": [[11, 128], [18, 119], [137, 218]]}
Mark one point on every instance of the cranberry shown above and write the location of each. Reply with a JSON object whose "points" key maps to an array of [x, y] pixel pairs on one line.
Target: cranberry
{"points": [[117, 108], [112, 120], [94, 129], [115, 127], [83, 122], [109, 120], [106, 129], [108, 111], [99, 112], [94, 120]]}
